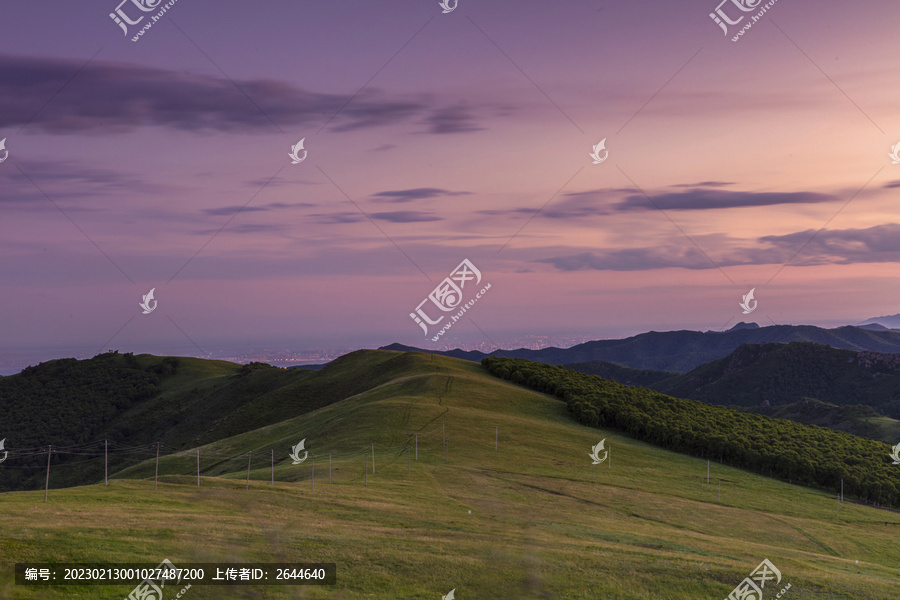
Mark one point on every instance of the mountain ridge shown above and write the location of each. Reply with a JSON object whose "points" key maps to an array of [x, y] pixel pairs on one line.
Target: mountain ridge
{"points": [[684, 350]]}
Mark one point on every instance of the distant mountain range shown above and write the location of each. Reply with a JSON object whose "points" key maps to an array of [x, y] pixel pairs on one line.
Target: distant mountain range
{"points": [[755, 374], [681, 351], [887, 322], [857, 392]]}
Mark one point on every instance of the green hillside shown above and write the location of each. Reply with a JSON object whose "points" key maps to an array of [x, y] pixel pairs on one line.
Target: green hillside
{"points": [[771, 379], [784, 373], [177, 402], [792, 451], [648, 528]]}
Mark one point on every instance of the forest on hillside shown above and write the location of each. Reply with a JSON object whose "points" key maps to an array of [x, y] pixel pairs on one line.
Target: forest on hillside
{"points": [[804, 454], [66, 403]]}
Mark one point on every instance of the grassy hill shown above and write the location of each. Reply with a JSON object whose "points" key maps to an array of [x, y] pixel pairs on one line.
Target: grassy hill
{"points": [[648, 528], [178, 402], [794, 452]]}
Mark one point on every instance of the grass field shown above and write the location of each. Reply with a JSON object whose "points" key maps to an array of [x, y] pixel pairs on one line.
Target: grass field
{"points": [[648, 528]]}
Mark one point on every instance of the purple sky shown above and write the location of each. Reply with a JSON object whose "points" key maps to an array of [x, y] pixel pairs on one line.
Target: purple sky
{"points": [[433, 138]]}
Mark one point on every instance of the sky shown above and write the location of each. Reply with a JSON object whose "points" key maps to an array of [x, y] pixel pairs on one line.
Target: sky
{"points": [[434, 138]]}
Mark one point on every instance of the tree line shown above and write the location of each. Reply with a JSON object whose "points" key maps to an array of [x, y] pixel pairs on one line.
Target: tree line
{"points": [[804, 454]]}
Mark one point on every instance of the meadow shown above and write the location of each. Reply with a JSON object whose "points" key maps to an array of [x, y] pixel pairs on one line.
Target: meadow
{"points": [[544, 522]]}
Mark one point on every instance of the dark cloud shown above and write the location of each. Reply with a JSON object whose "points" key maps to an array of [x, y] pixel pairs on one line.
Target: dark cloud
{"points": [[880, 243], [704, 184], [272, 205], [120, 97], [632, 259], [338, 218], [400, 216], [493, 212], [451, 119], [245, 228], [704, 199], [574, 205], [68, 179], [406, 216], [230, 210], [578, 205], [414, 194], [877, 244]]}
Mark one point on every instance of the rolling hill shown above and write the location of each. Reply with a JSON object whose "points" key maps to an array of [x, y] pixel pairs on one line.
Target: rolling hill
{"points": [[775, 374], [177, 402], [856, 392], [543, 523]]}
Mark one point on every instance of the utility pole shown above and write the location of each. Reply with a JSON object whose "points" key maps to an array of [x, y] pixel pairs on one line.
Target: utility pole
{"points": [[47, 485]]}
